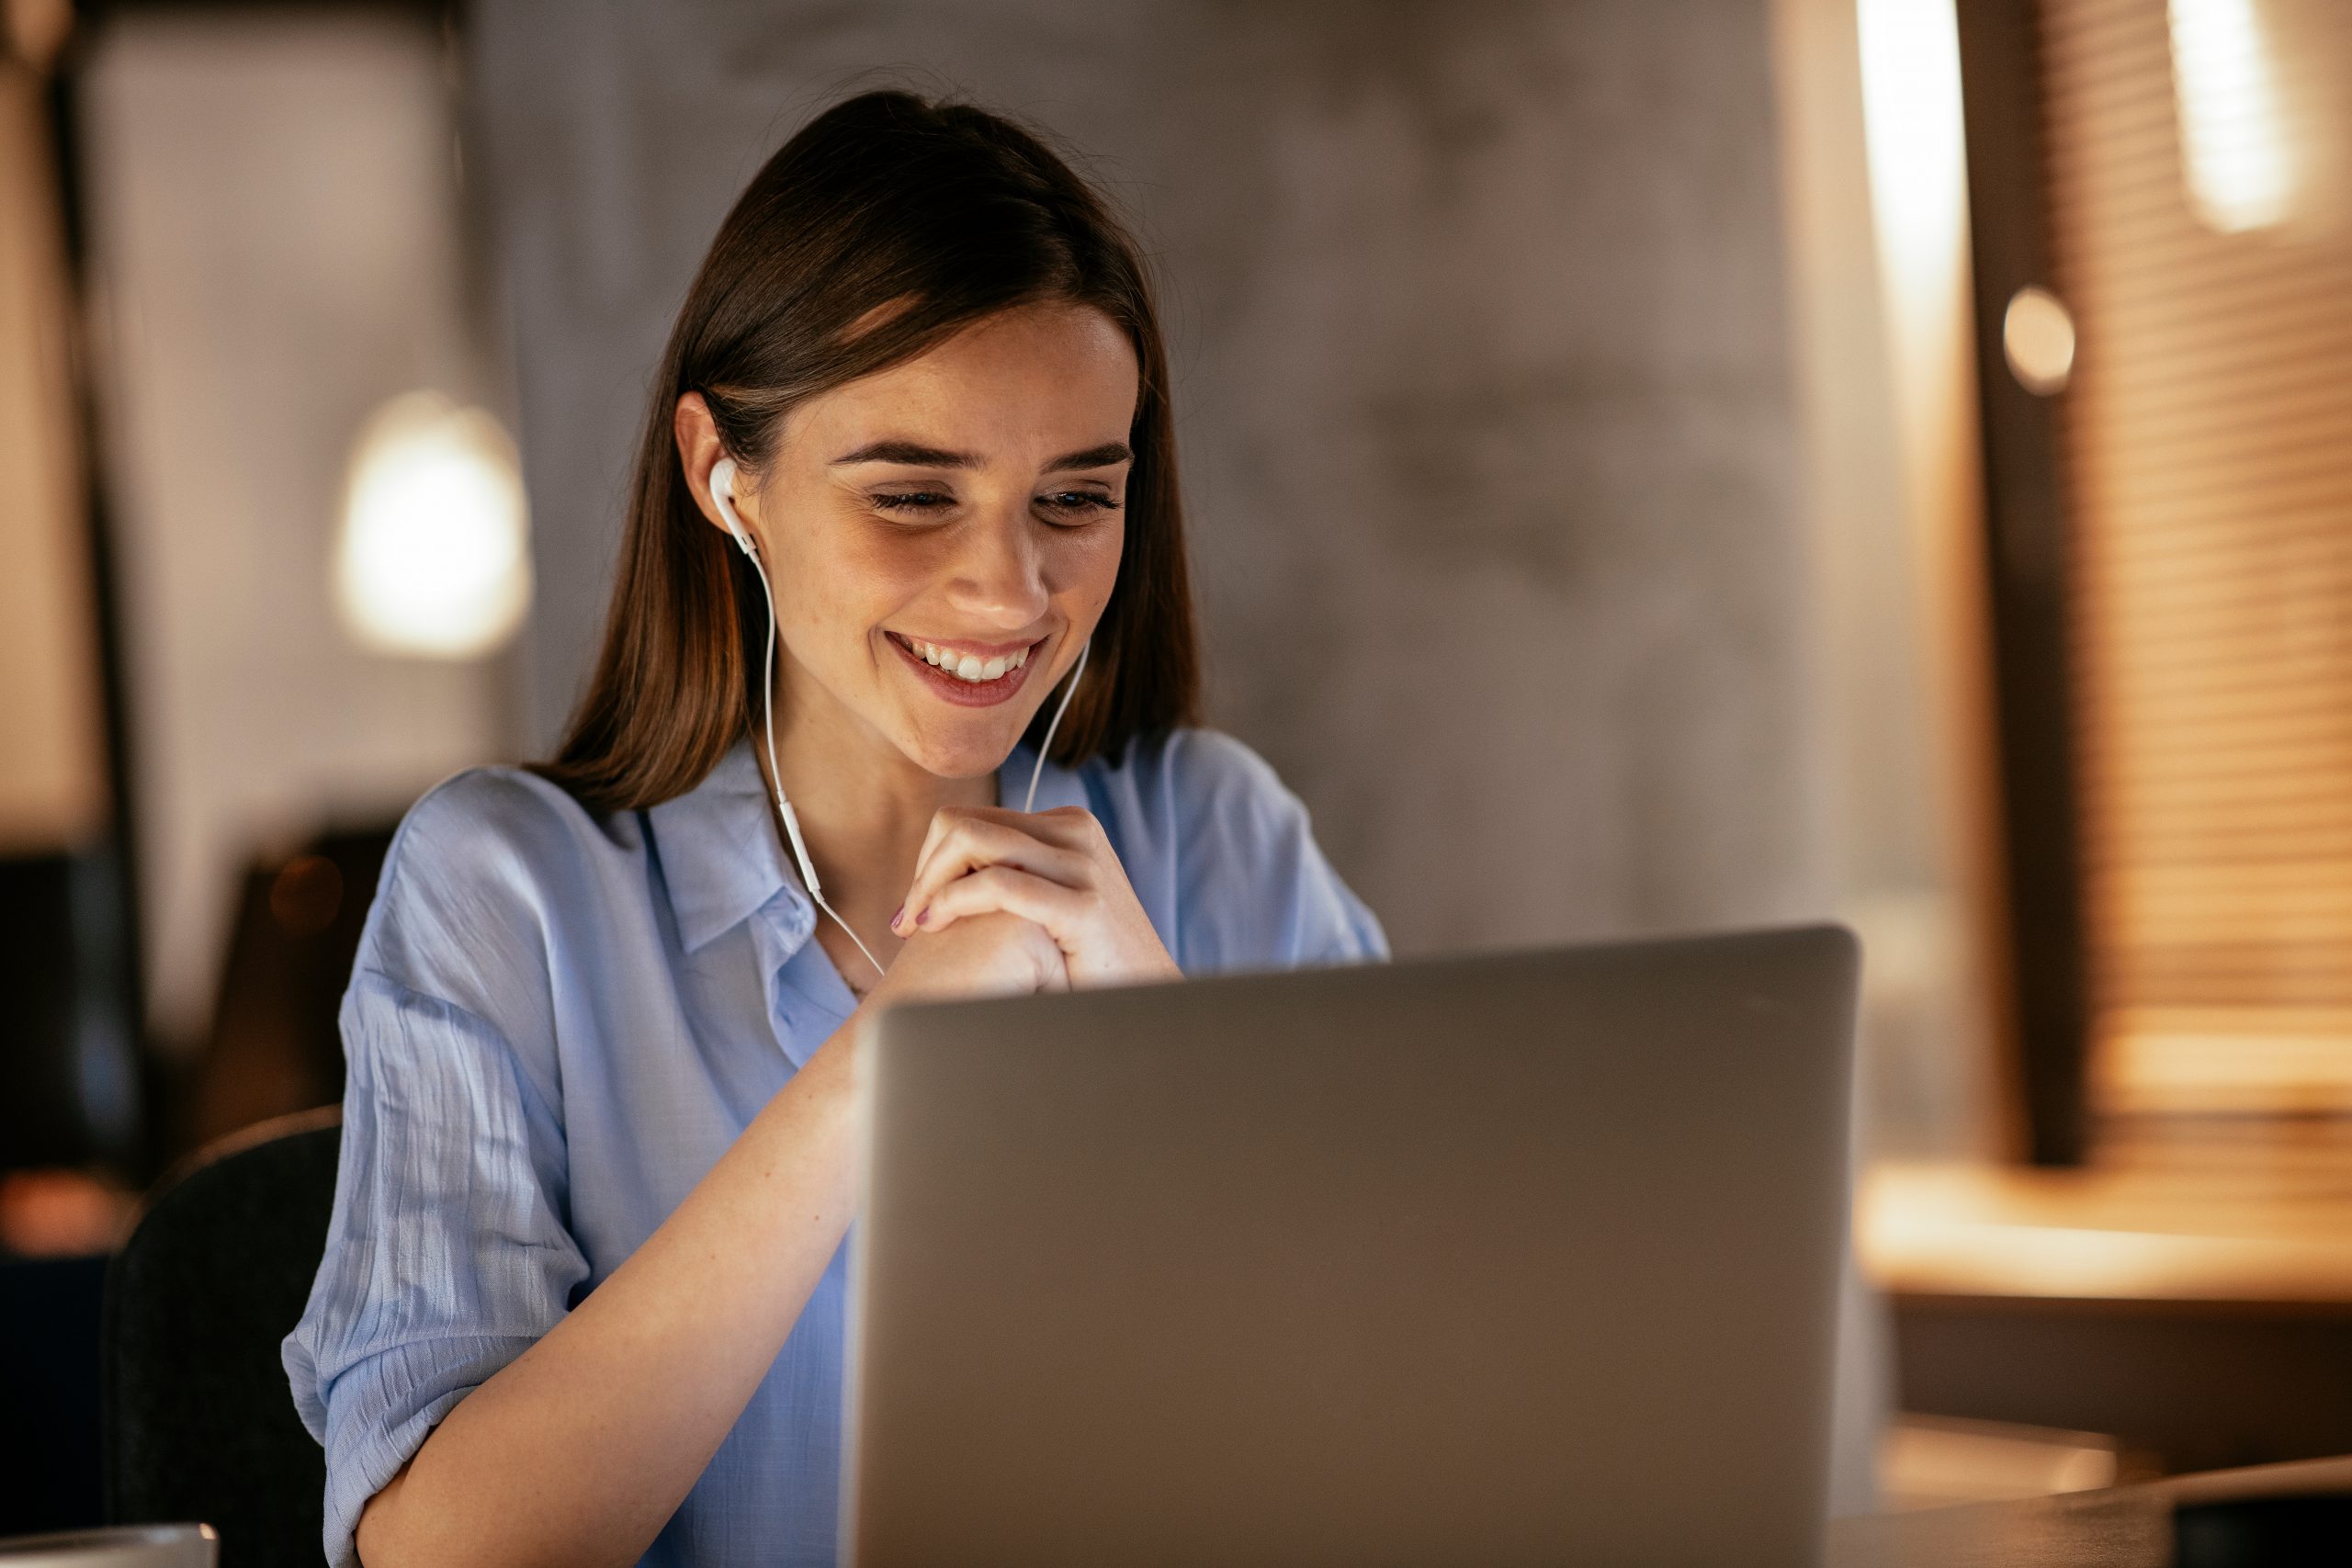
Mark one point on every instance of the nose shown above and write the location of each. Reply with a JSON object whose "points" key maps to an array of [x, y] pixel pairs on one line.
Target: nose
{"points": [[998, 575]]}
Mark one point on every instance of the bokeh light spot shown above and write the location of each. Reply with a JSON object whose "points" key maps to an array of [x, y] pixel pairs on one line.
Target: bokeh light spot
{"points": [[2038, 336], [433, 561]]}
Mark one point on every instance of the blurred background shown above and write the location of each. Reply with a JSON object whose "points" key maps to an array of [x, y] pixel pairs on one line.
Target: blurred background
{"points": [[1652, 465]]}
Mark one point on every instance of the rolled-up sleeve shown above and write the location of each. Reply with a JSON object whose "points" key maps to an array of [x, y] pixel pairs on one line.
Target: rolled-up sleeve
{"points": [[447, 1254]]}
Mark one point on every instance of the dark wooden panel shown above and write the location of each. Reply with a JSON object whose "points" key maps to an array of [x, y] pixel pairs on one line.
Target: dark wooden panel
{"points": [[2197, 1385], [2026, 555]]}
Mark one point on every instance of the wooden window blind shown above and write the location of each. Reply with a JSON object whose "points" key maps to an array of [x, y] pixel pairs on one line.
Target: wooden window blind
{"points": [[2198, 230]]}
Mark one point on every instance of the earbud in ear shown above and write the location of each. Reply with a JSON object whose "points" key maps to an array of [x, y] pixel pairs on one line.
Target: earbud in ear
{"points": [[722, 495]]}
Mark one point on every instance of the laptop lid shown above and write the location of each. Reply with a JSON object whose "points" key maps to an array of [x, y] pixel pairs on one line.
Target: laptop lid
{"points": [[1518, 1259]]}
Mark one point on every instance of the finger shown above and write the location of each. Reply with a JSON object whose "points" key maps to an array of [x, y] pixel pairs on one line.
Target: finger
{"points": [[1000, 888], [1071, 826], [950, 869], [964, 842], [942, 822], [971, 844], [951, 819]]}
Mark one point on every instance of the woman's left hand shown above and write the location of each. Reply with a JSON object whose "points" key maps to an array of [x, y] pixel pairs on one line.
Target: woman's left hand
{"points": [[1056, 868]]}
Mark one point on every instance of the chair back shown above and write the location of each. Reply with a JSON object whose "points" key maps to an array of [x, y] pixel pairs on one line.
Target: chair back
{"points": [[196, 1420]]}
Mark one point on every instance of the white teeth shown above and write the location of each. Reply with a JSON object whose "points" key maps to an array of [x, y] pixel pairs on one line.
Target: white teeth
{"points": [[967, 666]]}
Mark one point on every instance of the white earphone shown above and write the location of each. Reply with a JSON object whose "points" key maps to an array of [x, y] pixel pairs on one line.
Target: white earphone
{"points": [[722, 495], [1045, 747]]}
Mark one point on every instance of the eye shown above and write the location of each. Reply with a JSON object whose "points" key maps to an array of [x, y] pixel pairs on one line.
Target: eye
{"points": [[1076, 506], [914, 502]]}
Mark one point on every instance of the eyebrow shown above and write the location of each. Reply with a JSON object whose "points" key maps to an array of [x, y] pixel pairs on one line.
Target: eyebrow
{"points": [[913, 453], [1102, 456]]}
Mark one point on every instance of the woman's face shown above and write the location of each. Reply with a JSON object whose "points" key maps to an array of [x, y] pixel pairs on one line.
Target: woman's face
{"points": [[942, 537]]}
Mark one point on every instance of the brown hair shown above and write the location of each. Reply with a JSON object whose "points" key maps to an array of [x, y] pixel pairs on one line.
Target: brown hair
{"points": [[885, 226]]}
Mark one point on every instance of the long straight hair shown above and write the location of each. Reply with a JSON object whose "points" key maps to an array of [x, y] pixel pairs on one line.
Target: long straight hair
{"points": [[885, 226]]}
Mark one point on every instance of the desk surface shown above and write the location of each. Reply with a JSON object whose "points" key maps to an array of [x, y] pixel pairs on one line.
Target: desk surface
{"points": [[2125, 1527], [2197, 1209]]}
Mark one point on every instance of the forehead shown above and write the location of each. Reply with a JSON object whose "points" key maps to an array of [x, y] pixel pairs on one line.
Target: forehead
{"points": [[1036, 378]]}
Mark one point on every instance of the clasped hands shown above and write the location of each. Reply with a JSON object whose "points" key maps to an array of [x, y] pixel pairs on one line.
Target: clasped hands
{"points": [[1014, 901]]}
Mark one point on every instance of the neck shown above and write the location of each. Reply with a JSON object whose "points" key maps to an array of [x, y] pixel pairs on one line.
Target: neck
{"points": [[863, 806]]}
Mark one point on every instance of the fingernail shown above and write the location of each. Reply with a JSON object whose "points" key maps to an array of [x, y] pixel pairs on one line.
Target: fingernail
{"points": [[896, 918], [922, 915]]}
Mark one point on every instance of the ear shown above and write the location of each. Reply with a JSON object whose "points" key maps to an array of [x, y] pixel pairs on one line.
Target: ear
{"points": [[698, 452]]}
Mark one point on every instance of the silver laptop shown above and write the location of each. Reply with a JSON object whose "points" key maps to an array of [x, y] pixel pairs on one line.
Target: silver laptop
{"points": [[1529, 1259]]}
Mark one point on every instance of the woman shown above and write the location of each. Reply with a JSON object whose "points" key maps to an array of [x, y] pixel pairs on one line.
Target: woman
{"points": [[582, 1297]]}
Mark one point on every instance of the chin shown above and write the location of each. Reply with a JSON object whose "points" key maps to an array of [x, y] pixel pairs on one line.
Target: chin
{"points": [[964, 756]]}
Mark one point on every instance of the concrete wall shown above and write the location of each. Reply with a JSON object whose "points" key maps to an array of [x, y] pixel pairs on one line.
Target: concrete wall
{"points": [[1484, 400]]}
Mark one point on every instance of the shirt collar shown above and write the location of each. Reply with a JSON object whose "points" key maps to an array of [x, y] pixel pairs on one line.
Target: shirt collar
{"points": [[723, 861], [720, 855]]}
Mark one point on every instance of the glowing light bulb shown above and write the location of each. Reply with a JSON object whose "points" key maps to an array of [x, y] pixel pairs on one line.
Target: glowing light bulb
{"points": [[434, 559]]}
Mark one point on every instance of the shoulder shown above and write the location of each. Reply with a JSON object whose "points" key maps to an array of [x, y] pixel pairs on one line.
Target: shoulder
{"points": [[502, 818], [1187, 775], [1179, 805], [497, 837], [480, 876], [1235, 877]]}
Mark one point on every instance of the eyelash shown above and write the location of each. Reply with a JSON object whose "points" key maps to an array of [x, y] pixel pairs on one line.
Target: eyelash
{"points": [[926, 501]]}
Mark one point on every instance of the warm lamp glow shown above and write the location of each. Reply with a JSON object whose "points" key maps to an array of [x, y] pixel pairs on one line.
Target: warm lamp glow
{"points": [[2235, 152], [434, 559], [1916, 143]]}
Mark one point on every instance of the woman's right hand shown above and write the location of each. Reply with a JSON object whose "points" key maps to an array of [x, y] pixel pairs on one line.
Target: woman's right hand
{"points": [[995, 954]]}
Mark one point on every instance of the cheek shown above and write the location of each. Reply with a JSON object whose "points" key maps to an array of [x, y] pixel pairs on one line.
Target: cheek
{"points": [[1084, 566], [844, 579]]}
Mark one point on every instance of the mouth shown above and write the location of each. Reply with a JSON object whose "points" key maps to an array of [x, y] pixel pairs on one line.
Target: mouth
{"points": [[969, 677]]}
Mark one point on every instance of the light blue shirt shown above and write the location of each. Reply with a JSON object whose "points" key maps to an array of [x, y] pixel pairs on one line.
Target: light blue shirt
{"points": [[558, 1023]]}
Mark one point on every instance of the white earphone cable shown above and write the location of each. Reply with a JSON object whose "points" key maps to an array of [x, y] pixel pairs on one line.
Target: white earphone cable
{"points": [[784, 807], [1046, 746]]}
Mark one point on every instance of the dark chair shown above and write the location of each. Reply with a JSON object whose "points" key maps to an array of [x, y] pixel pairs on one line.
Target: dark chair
{"points": [[196, 1421], [275, 1045]]}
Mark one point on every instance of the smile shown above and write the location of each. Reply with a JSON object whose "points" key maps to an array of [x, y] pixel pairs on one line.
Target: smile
{"points": [[967, 677], [965, 666]]}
